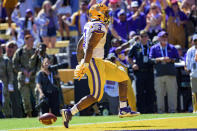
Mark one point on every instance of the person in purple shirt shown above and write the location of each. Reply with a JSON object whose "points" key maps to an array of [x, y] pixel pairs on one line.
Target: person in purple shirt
{"points": [[122, 24], [164, 55], [139, 23], [176, 20]]}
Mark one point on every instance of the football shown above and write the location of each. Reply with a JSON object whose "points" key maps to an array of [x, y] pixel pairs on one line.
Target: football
{"points": [[47, 118]]}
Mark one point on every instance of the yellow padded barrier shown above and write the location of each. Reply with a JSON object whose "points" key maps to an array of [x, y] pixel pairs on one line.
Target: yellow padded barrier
{"points": [[72, 33], [62, 44], [52, 51], [4, 26]]}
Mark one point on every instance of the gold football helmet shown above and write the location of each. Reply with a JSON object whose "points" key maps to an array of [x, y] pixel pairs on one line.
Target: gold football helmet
{"points": [[99, 12]]}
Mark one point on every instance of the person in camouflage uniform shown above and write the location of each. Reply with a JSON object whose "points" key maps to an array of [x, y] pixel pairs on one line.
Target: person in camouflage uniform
{"points": [[15, 97], [26, 74], [6, 75]]}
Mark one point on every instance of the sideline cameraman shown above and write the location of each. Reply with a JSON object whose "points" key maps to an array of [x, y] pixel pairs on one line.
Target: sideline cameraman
{"points": [[38, 56], [48, 91]]}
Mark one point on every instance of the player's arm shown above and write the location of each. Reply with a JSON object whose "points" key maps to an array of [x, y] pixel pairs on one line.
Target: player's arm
{"points": [[80, 52], [92, 43], [122, 47]]}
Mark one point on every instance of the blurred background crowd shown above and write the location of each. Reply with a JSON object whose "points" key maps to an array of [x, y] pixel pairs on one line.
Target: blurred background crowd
{"points": [[149, 38]]}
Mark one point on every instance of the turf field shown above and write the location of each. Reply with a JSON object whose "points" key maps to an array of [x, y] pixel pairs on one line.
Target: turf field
{"points": [[186, 121]]}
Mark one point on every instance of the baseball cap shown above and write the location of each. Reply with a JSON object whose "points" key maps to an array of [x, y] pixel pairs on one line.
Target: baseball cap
{"points": [[162, 33], [194, 37], [113, 1], [134, 4], [11, 43], [174, 1], [29, 11]]}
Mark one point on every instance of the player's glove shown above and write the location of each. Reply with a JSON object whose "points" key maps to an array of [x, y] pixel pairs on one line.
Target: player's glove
{"points": [[80, 70]]}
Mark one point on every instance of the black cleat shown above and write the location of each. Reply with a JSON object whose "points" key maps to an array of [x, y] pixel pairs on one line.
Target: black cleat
{"points": [[67, 116]]}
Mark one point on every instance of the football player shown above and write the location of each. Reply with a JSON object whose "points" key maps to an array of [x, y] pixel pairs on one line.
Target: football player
{"points": [[90, 53]]}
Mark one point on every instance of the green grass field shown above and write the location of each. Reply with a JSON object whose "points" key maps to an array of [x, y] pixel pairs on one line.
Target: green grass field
{"points": [[26, 123]]}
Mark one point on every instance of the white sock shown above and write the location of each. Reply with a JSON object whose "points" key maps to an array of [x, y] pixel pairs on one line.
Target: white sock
{"points": [[74, 110], [123, 104]]}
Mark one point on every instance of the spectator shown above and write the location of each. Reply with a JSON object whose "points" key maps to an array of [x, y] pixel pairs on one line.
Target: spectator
{"points": [[153, 21], [45, 83], [191, 25], [114, 6], [9, 6], [14, 93], [139, 23], [26, 78], [164, 55], [79, 18], [27, 25], [175, 23], [65, 10], [6, 75], [186, 5], [143, 71], [48, 20], [24, 5], [147, 8], [191, 65], [122, 25]]}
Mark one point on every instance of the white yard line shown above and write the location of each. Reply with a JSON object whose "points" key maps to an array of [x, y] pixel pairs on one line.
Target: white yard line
{"points": [[97, 123]]}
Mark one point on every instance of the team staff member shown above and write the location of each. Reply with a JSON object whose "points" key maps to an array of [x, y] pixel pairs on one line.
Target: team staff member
{"points": [[26, 78], [143, 71], [191, 64], [90, 55], [164, 55]]}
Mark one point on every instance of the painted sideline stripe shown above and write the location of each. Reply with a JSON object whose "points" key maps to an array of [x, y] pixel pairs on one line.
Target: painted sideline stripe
{"points": [[97, 123]]}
